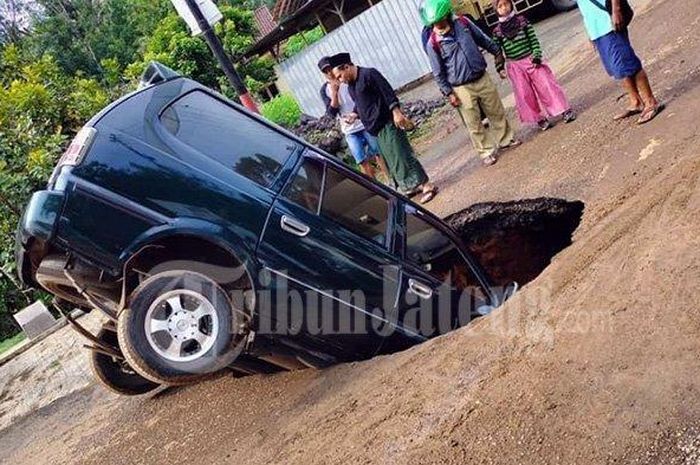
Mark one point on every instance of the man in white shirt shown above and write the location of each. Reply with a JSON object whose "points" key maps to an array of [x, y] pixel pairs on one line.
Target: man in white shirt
{"points": [[364, 147]]}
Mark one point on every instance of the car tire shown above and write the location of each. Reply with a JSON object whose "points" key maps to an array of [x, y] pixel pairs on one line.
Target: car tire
{"points": [[563, 5], [178, 328], [114, 374]]}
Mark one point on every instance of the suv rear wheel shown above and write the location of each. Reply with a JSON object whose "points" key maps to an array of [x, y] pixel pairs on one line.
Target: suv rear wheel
{"points": [[179, 328]]}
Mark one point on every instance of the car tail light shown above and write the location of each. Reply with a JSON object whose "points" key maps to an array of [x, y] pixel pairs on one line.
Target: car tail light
{"points": [[76, 150], [78, 147]]}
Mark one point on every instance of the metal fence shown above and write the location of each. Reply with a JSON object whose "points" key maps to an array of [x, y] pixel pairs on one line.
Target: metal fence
{"points": [[386, 37]]}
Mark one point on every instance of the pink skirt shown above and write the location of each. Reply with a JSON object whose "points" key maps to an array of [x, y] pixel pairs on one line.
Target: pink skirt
{"points": [[537, 92]]}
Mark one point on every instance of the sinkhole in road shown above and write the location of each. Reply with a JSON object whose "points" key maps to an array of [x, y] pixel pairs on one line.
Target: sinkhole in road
{"points": [[516, 241]]}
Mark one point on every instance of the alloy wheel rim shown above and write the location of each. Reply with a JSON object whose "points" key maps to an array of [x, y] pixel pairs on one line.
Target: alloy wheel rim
{"points": [[181, 325]]}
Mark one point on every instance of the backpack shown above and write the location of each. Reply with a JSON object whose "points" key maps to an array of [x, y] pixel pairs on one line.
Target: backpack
{"points": [[435, 43]]}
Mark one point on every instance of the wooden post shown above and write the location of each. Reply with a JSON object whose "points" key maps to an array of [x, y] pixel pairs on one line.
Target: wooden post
{"points": [[303, 37], [320, 23]]}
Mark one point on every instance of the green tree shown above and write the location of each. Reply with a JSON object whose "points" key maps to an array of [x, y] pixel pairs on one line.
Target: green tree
{"points": [[61, 61], [41, 108], [82, 34], [172, 44]]}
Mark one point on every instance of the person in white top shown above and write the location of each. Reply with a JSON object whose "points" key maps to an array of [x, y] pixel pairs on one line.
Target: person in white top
{"points": [[364, 147]]}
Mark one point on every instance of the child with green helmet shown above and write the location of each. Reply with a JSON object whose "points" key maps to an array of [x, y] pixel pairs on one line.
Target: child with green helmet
{"points": [[459, 69]]}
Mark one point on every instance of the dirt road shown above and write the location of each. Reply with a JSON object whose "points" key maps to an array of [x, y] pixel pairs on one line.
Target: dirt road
{"points": [[596, 361]]}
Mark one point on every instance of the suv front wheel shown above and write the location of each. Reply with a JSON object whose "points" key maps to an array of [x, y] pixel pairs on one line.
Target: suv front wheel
{"points": [[179, 328], [114, 373]]}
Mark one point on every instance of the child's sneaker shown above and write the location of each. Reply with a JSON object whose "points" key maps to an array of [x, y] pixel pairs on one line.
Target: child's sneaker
{"points": [[569, 116], [545, 124]]}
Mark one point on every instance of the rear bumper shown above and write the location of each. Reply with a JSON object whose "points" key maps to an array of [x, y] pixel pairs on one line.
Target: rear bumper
{"points": [[35, 231]]}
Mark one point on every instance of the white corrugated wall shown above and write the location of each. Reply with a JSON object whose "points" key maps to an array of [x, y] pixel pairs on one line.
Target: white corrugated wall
{"points": [[386, 37]]}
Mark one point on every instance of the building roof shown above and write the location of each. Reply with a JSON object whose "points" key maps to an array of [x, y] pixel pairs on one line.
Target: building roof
{"points": [[284, 8], [302, 18], [265, 21]]}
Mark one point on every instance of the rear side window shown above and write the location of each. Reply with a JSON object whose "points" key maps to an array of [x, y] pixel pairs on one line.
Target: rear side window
{"points": [[228, 136]]}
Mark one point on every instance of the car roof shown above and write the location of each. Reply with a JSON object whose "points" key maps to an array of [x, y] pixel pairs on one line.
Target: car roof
{"points": [[192, 85]]}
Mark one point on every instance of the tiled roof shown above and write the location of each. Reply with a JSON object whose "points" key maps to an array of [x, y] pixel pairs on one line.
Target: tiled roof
{"points": [[266, 23], [284, 8]]}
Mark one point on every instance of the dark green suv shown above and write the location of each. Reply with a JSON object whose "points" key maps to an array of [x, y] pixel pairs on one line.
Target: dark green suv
{"points": [[211, 238]]}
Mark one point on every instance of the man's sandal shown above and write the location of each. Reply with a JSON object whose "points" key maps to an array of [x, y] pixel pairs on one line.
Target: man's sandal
{"points": [[630, 112], [650, 114], [489, 160], [512, 144], [429, 195]]}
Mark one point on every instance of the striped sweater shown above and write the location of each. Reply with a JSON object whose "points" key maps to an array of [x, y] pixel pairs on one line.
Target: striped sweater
{"points": [[522, 45]]}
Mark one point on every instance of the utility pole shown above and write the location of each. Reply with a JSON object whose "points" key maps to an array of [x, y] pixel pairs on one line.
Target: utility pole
{"points": [[220, 54]]}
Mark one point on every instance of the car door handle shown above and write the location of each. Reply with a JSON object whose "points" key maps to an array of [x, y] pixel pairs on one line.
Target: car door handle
{"points": [[421, 290], [293, 226]]}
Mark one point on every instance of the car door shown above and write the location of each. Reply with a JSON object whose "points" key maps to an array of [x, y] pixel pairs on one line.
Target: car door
{"points": [[441, 287], [327, 252]]}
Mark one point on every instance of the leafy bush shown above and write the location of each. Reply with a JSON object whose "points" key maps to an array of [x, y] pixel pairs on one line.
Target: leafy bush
{"points": [[70, 64], [298, 42], [41, 108], [283, 110]]}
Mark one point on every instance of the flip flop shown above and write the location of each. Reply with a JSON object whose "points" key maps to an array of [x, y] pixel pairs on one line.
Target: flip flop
{"points": [[412, 193], [512, 144], [628, 114], [428, 196], [489, 160], [650, 115]]}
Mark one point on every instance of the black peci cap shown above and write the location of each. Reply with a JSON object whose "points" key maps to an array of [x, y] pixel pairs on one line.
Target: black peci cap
{"points": [[324, 63], [340, 59]]}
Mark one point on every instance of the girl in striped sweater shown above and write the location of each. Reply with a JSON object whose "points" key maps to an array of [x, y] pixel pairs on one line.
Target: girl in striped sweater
{"points": [[538, 95]]}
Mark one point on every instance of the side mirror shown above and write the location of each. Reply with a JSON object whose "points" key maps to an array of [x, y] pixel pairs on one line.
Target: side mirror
{"points": [[509, 292], [155, 73]]}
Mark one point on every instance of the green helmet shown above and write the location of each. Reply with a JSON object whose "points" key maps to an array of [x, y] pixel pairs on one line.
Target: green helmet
{"points": [[432, 11]]}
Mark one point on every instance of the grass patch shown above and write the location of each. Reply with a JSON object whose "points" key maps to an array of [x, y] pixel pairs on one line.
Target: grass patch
{"points": [[426, 130], [7, 344], [55, 364]]}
